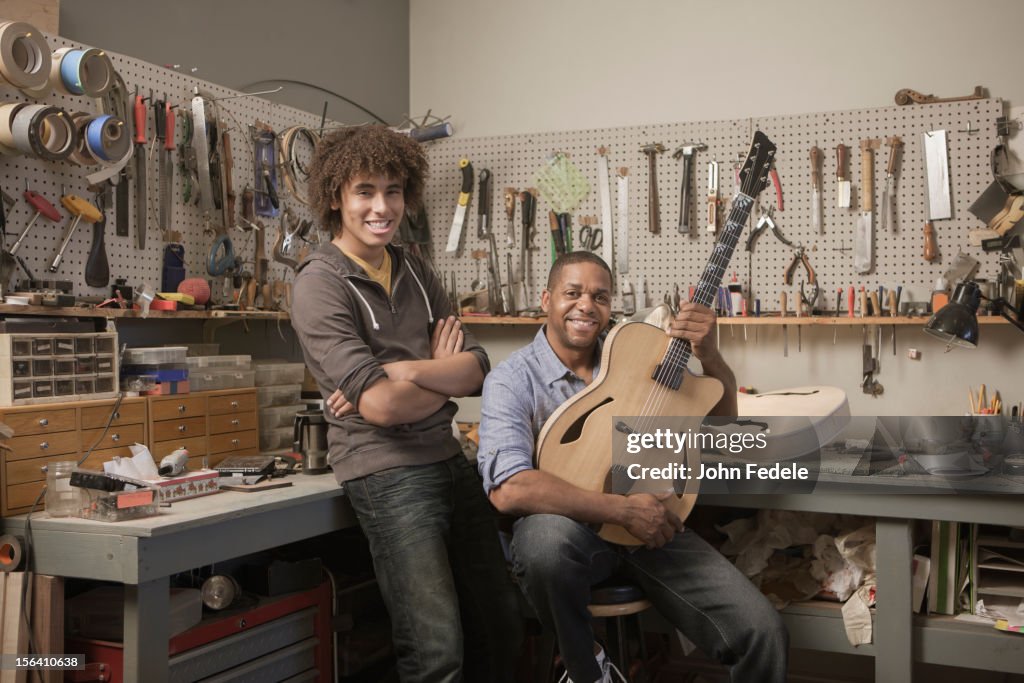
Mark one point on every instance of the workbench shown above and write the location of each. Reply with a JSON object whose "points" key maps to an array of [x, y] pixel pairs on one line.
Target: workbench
{"points": [[143, 554]]}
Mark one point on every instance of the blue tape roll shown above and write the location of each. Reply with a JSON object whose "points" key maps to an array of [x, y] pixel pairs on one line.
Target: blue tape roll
{"points": [[70, 71], [94, 136]]}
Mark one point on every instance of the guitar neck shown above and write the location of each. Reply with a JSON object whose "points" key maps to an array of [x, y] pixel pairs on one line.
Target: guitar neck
{"points": [[679, 350]]}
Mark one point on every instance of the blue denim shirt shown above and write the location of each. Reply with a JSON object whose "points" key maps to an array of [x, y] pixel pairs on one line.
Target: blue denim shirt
{"points": [[518, 397]]}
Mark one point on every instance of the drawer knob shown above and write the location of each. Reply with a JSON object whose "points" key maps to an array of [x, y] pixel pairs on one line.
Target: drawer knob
{"points": [[234, 404], [182, 428], [236, 422], [43, 422], [117, 415], [181, 408], [115, 438], [44, 445], [234, 442]]}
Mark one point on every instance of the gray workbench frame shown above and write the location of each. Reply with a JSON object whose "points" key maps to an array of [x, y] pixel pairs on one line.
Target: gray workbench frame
{"points": [[143, 555]]}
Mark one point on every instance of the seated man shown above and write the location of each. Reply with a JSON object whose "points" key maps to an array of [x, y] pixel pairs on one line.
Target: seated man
{"points": [[557, 553]]}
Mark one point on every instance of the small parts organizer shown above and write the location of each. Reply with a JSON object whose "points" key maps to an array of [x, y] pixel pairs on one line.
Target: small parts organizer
{"points": [[61, 367]]}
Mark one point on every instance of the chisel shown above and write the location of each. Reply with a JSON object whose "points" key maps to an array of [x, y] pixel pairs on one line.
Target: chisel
{"points": [[842, 183], [483, 205], [816, 189]]}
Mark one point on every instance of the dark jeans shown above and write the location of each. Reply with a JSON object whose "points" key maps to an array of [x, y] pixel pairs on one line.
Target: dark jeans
{"points": [[441, 571], [690, 583]]}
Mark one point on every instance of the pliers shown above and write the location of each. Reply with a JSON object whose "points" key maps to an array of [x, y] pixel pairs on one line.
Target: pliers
{"points": [[800, 257], [765, 221]]}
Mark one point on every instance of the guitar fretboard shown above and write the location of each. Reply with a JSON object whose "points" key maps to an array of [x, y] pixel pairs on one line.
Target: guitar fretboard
{"points": [[679, 350]]}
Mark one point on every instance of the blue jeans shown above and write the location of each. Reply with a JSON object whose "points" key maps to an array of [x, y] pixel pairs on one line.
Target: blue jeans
{"points": [[691, 584], [440, 568]]}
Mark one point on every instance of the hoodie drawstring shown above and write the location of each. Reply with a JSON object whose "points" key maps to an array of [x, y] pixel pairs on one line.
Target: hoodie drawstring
{"points": [[373, 318], [426, 299]]}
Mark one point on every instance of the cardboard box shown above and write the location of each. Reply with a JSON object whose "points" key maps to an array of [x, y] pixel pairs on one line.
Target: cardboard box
{"points": [[188, 485]]}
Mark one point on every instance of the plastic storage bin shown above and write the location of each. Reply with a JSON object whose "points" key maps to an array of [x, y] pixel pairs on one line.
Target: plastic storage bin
{"points": [[288, 394], [279, 416], [154, 355], [240, 362], [210, 380], [276, 372]]}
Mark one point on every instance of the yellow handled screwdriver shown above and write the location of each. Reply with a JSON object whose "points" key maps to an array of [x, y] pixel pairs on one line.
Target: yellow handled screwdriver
{"points": [[81, 210]]}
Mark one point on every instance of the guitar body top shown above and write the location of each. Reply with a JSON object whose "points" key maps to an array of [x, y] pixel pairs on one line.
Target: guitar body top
{"points": [[576, 441]]}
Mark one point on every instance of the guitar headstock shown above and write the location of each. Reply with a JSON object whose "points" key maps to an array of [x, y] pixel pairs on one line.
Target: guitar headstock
{"points": [[754, 173]]}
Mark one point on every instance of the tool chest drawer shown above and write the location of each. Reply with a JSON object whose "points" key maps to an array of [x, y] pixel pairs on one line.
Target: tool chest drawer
{"points": [[131, 411], [234, 442], [177, 406], [232, 422], [169, 429], [39, 421], [232, 403]]}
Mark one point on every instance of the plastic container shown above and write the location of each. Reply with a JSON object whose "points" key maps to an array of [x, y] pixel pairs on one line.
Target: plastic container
{"points": [[64, 346], [42, 347], [273, 439], [85, 385], [200, 349], [104, 384], [63, 386], [221, 362], [277, 372], [64, 366], [21, 388], [42, 367], [155, 355], [42, 388], [225, 379], [21, 368], [62, 499], [21, 347], [117, 506], [85, 346], [106, 344], [279, 416], [104, 364], [138, 382], [288, 394]]}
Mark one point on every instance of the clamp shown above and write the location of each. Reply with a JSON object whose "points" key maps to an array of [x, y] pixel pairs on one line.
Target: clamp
{"points": [[228, 262]]}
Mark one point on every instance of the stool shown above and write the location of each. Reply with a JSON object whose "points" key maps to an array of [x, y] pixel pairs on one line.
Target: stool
{"points": [[621, 604]]}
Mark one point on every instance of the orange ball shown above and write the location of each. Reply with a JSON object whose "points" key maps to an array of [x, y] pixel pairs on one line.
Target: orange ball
{"points": [[197, 288]]}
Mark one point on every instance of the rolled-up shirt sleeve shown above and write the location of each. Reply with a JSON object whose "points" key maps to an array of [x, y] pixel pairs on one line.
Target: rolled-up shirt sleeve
{"points": [[506, 427]]}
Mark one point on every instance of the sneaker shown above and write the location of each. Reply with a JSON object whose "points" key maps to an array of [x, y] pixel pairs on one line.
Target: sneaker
{"points": [[607, 669]]}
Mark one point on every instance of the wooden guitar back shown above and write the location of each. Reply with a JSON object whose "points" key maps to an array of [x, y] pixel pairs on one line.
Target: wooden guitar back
{"points": [[576, 441]]}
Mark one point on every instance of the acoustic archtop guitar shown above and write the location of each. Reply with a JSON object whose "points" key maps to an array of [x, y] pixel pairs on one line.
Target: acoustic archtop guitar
{"points": [[644, 384]]}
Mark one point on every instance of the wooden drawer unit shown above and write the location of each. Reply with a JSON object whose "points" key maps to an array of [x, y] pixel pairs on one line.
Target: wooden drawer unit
{"points": [[195, 445], [234, 442], [62, 431]]}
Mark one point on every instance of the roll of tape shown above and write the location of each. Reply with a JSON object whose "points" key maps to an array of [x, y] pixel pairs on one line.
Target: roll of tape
{"points": [[24, 55], [56, 63], [87, 72], [7, 112], [82, 155], [107, 138], [12, 552], [44, 131]]}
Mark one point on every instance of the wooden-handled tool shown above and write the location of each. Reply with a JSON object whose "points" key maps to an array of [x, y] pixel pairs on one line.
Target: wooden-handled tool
{"points": [[81, 210], [842, 181], [653, 210], [931, 252], [864, 235], [816, 189]]}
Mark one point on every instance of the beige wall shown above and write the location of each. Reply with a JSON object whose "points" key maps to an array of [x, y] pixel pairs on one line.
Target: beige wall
{"points": [[543, 65]]}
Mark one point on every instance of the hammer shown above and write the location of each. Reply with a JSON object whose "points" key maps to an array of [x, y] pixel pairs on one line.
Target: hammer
{"points": [[685, 153], [653, 213]]}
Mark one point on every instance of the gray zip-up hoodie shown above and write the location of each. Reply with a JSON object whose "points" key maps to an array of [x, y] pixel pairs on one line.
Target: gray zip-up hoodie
{"points": [[348, 327]]}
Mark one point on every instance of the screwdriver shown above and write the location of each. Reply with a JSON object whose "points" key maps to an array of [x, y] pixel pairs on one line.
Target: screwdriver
{"points": [[785, 328], [43, 208], [80, 209]]}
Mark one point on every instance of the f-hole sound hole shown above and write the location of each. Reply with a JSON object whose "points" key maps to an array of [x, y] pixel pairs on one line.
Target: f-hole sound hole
{"points": [[576, 428]]}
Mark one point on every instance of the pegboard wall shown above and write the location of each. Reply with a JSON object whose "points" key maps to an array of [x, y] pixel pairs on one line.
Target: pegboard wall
{"points": [[138, 266], [671, 258]]}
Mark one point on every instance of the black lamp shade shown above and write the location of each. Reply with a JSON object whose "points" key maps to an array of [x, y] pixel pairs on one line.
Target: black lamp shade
{"points": [[956, 323]]}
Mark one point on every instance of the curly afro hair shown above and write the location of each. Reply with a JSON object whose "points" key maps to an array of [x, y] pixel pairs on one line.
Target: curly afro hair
{"points": [[363, 150]]}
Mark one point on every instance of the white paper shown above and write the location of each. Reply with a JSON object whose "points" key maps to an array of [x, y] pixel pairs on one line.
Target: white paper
{"points": [[143, 461], [936, 164]]}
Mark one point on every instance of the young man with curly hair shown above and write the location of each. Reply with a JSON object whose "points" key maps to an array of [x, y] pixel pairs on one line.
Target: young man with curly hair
{"points": [[379, 337]]}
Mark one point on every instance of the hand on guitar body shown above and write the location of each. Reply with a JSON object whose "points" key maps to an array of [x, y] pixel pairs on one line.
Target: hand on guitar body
{"points": [[445, 374]]}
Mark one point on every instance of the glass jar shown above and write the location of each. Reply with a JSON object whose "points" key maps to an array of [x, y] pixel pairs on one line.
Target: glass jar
{"points": [[62, 499]]}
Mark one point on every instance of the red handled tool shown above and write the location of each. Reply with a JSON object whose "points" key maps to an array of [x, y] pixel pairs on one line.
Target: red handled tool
{"points": [[141, 194], [43, 208]]}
